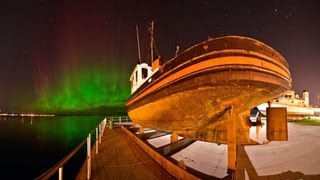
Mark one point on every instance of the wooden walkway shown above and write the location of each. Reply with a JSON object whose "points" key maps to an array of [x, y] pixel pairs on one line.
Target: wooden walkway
{"points": [[121, 158]]}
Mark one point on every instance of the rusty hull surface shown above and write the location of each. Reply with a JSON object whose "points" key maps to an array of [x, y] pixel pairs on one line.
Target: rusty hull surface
{"points": [[194, 96]]}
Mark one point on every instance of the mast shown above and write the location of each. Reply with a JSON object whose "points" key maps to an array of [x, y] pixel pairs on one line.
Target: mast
{"points": [[138, 44], [151, 29]]}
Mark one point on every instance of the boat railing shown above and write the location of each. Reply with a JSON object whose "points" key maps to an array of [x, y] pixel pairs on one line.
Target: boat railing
{"points": [[119, 119], [99, 133]]}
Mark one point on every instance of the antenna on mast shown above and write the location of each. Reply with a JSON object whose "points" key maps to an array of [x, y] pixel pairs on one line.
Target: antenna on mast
{"points": [[138, 44], [177, 47]]}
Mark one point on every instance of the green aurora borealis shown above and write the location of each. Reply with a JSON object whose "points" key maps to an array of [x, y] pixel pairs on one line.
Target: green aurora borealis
{"points": [[85, 89], [78, 63]]}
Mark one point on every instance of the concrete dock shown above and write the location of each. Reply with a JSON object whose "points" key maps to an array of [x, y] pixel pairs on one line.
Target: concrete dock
{"points": [[297, 158], [120, 157]]}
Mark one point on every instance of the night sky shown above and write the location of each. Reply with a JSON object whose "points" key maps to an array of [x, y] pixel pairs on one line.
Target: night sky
{"points": [[76, 55]]}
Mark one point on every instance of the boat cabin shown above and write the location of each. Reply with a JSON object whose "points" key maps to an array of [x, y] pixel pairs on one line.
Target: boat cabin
{"points": [[139, 75]]}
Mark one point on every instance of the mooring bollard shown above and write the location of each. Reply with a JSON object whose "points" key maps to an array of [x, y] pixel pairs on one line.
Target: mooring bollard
{"points": [[89, 156]]}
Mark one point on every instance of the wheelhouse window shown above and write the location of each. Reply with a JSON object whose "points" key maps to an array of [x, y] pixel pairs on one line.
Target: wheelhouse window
{"points": [[287, 96], [144, 73]]}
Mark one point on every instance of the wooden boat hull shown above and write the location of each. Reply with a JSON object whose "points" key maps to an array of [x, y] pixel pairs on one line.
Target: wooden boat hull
{"points": [[195, 95]]}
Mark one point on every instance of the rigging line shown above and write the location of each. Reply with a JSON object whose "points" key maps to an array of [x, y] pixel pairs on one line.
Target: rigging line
{"points": [[155, 48], [138, 44]]}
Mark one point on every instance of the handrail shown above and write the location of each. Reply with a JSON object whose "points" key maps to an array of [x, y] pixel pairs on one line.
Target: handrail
{"points": [[59, 166], [118, 118], [56, 167]]}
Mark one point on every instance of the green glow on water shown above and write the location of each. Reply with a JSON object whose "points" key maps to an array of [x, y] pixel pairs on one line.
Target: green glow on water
{"points": [[36, 144], [65, 128]]}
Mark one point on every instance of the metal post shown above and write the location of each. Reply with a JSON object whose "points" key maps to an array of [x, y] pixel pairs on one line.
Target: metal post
{"points": [[100, 133], [97, 140], [103, 126], [60, 173], [89, 156]]}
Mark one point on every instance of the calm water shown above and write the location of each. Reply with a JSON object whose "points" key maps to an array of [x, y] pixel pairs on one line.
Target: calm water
{"points": [[32, 145]]}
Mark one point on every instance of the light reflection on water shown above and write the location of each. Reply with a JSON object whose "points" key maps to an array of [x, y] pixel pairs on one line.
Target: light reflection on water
{"points": [[32, 145]]}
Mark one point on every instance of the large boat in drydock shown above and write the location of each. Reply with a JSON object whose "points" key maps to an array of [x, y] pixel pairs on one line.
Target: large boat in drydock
{"points": [[192, 92], [297, 107]]}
